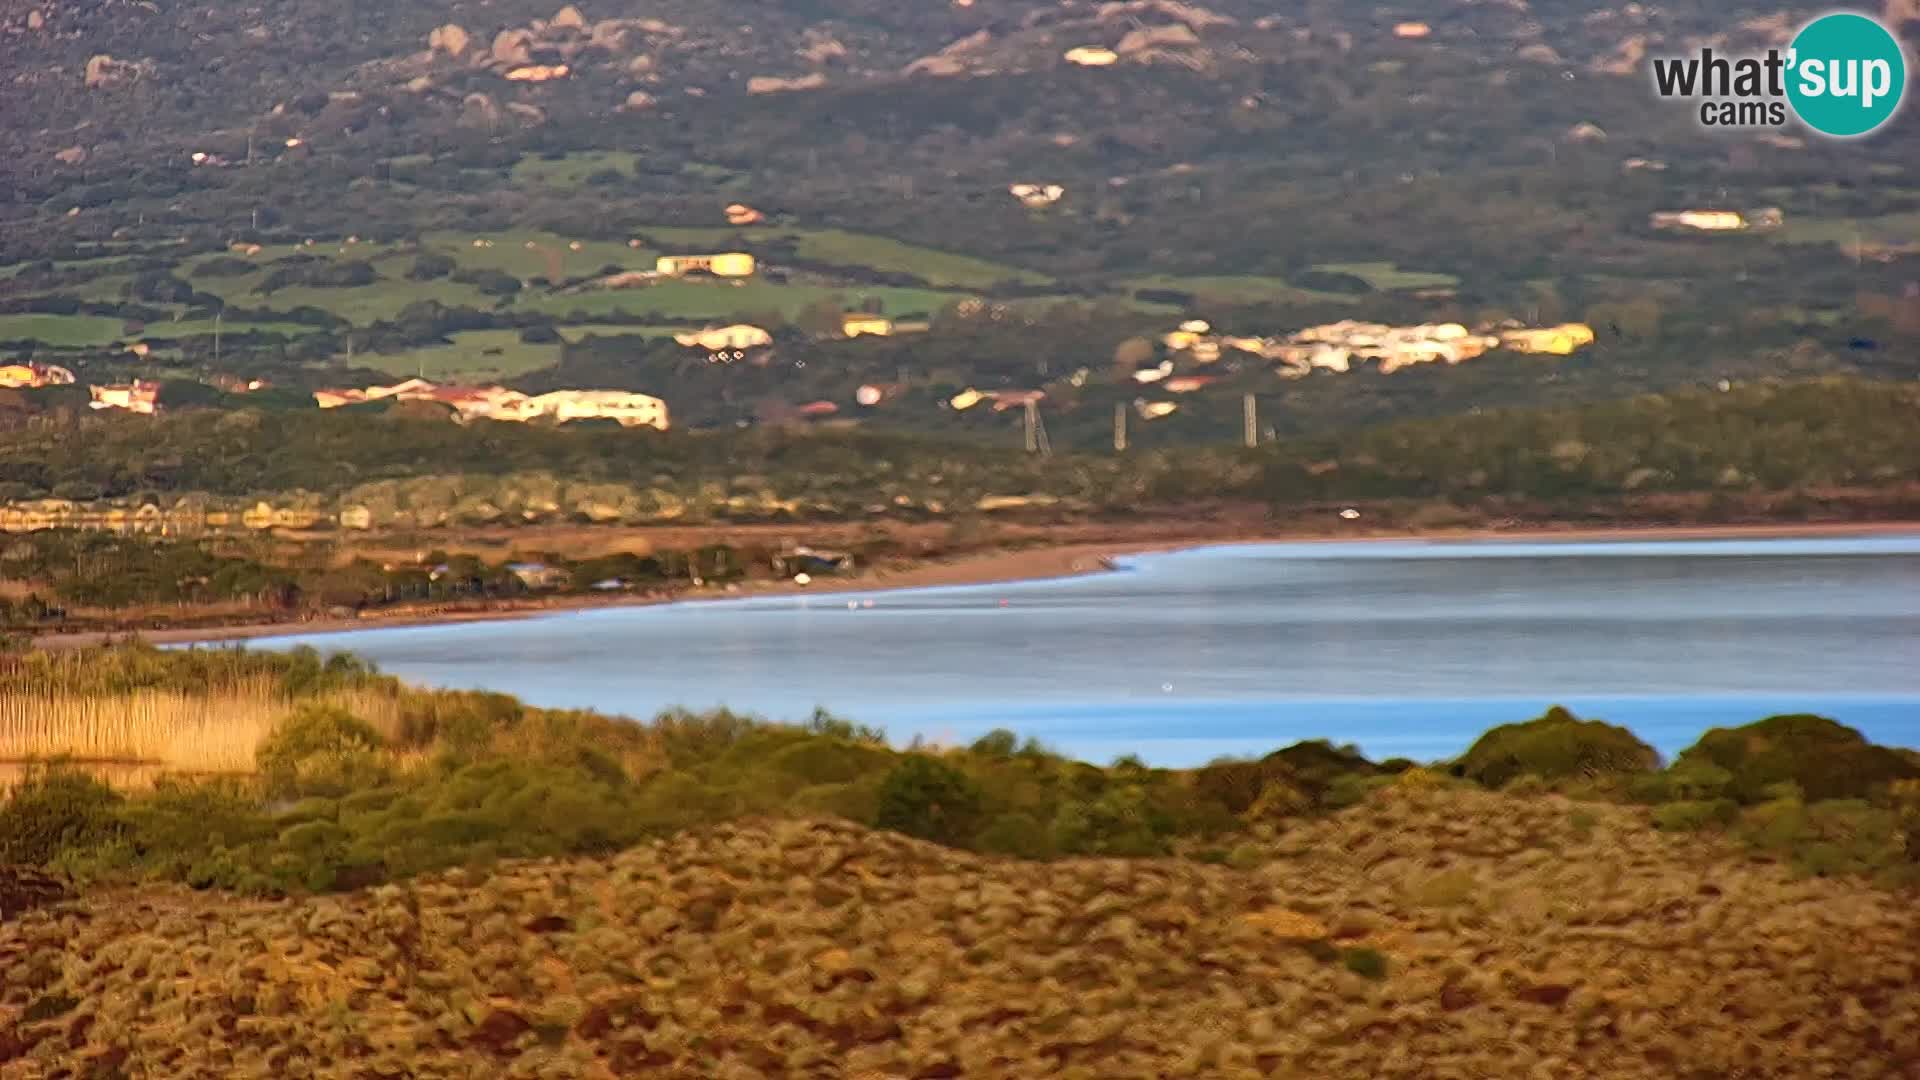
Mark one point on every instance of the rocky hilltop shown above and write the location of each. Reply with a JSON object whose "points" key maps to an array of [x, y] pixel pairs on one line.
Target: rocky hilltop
{"points": [[1427, 933]]}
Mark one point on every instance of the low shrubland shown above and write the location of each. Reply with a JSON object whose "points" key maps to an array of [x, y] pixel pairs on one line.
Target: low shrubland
{"points": [[351, 778]]}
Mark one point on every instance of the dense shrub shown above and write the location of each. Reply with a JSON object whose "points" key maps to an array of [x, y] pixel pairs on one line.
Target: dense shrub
{"points": [[1288, 781], [322, 750], [1694, 814], [1365, 962], [998, 743], [431, 265], [1837, 836], [1556, 746], [490, 282], [1826, 759], [857, 801], [57, 809], [1018, 833], [1121, 821], [928, 798]]}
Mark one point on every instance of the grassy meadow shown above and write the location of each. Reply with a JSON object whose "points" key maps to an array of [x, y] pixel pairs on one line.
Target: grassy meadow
{"points": [[1386, 277], [473, 355]]}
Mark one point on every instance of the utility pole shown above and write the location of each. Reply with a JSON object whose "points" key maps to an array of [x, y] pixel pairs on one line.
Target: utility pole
{"points": [[216, 338], [1037, 441], [1120, 427], [1251, 411]]}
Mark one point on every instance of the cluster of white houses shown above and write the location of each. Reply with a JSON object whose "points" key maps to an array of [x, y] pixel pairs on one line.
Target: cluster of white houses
{"points": [[1339, 346], [500, 403]]}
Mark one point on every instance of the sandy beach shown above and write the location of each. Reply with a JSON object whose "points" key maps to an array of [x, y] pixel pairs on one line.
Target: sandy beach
{"points": [[1022, 564]]}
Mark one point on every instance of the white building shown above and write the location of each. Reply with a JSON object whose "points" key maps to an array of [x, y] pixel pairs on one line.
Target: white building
{"points": [[631, 410]]}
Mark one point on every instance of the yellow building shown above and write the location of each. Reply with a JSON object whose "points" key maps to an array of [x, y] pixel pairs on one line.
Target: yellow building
{"points": [[1092, 56], [1700, 220], [1561, 340], [730, 264], [853, 324]]}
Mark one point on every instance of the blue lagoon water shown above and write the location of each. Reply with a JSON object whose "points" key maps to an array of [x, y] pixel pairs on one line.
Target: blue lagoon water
{"points": [[1405, 648]]}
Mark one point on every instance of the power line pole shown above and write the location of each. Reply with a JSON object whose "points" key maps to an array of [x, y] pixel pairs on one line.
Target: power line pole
{"points": [[1120, 427], [1251, 411], [216, 338], [1037, 441]]}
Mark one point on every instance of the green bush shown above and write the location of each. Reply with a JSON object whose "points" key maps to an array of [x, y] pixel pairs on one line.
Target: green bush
{"points": [[1826, 759], [1316, 765], [998, 743], [171, 828], [322, 750], [1121, 822], [1526, 784], [1352, 789], [1237, 785], [678, 800], [1290, 781], [1693, 815], [1365, 962], [1837, 836], [928, 798], [829, 760], [1556, 746], [54, 810], [1018, 834], [857, 801]]}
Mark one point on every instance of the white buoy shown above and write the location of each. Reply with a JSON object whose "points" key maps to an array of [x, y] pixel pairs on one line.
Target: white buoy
{"points": [[802, 579]]}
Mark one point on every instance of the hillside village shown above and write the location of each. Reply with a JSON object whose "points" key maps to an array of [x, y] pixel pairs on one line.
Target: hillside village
{"points": [[1190, 359]]}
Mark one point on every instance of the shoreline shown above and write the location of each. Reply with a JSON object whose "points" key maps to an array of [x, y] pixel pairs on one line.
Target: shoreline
{"points": [[1004, 566]]}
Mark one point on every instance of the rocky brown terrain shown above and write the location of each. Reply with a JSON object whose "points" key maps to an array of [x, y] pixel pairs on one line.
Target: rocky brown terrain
{"points": [[1429, 932]]}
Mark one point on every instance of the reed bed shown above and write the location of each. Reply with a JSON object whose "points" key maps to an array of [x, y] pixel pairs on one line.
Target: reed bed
{"points": [[167, 730]]}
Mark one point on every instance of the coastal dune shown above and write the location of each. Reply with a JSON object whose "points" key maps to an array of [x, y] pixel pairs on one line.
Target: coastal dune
{"points": [[1426, 933]]}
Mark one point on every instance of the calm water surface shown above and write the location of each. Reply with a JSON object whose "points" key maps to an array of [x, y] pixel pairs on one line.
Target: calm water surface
{"points": [[1406, 648]]}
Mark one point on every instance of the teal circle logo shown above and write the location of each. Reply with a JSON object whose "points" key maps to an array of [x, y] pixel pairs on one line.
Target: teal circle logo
{"points": [[1846, 75]]}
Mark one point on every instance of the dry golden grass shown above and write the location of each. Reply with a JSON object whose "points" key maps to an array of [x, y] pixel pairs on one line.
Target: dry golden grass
{"points": [[164, 730]]}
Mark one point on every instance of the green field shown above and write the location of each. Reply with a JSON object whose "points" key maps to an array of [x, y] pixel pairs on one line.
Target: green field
{"points": [[475, 354], [939, 268], [582, 331], [1386, 277], [1239, 289], [573, 169], [838, 247], [529, 254], [701, 301], [1893, 230], [64, 330], [510, 253], [186, 328]]}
